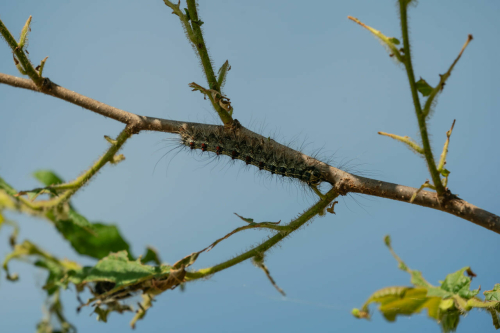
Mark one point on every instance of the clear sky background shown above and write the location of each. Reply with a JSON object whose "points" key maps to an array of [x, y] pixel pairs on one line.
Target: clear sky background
{"points": [[301, 70]]}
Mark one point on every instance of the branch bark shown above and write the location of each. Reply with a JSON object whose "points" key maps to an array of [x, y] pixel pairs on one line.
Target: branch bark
{"points": [[343, 181]]}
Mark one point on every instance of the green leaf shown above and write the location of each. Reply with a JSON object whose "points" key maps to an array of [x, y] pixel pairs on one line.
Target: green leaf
{"points": [[118, 269], [80, 221], [104, 240], [47, 177], [411, 302], [438, 292], [394, 40], [459, 284], [494, 294], [424, 88], [398, 301]]}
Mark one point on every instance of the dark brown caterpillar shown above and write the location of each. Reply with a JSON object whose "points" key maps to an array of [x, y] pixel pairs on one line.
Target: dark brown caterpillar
{"points": [[264, 154]]}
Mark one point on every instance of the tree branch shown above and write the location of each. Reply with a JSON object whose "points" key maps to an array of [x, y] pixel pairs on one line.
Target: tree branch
{"points": [[344, 182]]}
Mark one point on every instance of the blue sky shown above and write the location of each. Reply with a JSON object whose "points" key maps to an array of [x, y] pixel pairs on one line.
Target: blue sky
{"points": [[301, 71]]}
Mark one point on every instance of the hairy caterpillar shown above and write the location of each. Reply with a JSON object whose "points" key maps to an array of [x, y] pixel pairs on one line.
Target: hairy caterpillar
{"points": [[264, 154]]}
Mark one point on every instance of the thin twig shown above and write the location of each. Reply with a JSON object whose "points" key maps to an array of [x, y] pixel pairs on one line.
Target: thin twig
{"points": [[266, 245], [192, 26], [442, 81], [19, 54], [72, 187], [431, 164]]}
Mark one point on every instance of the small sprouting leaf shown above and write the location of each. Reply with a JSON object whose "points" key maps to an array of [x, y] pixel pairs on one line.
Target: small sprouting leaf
{"points": [[445, 172], [359, 313], [221, 80], [117, 159], [494, 294], [424, 88], [387, 240], [110, 140], [47, 177], [24, 33], [394, 40], [40, 67]]}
